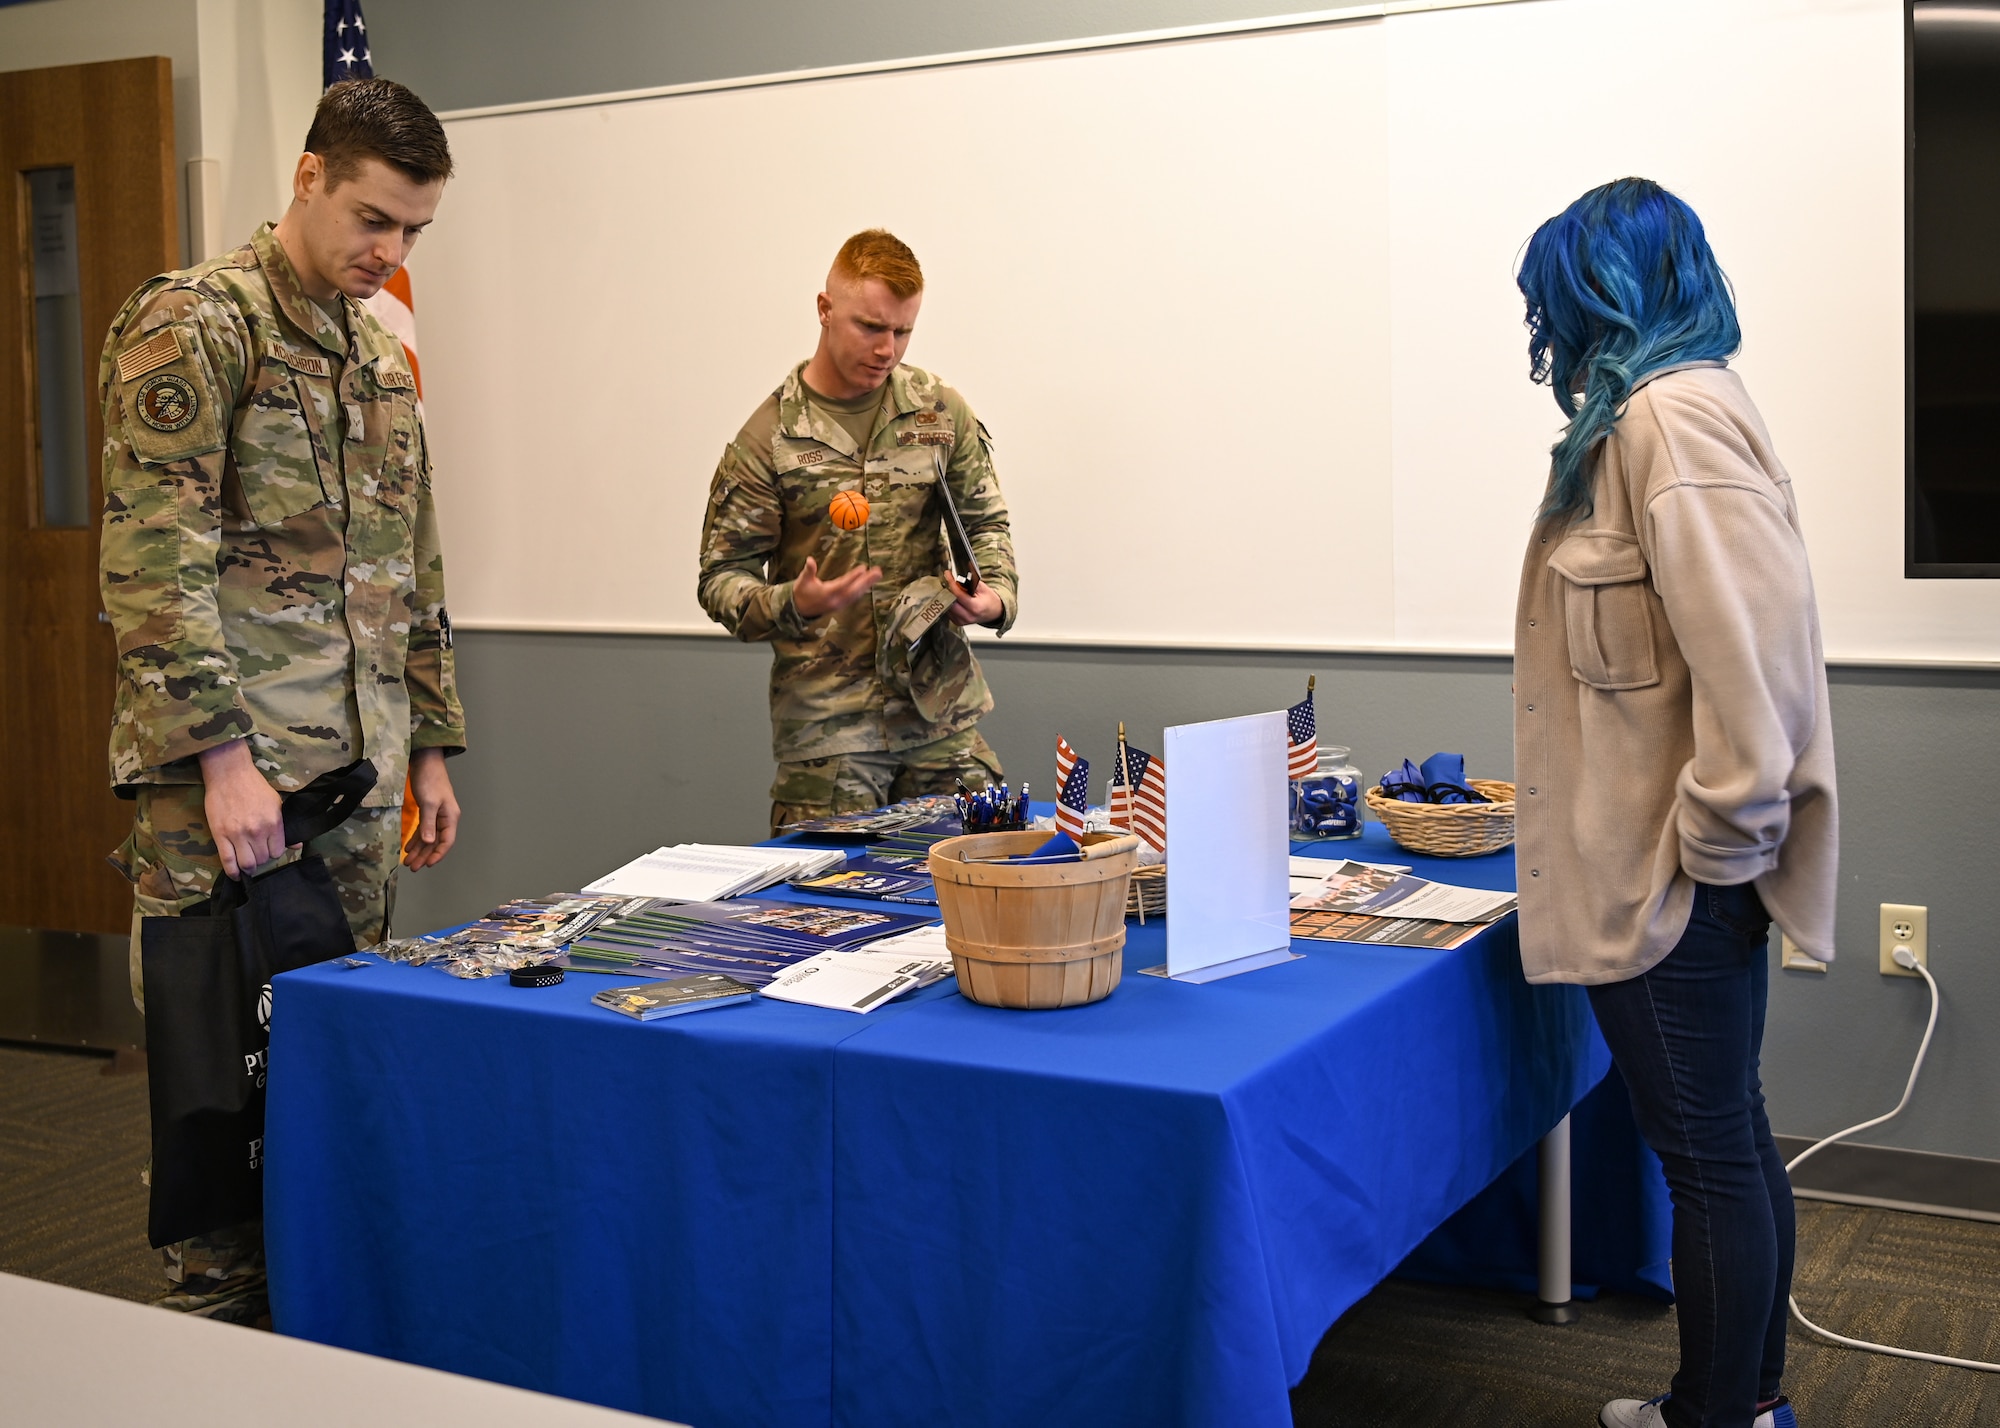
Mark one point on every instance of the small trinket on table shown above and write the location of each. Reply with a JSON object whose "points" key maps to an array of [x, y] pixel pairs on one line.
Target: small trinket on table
{"points": [[1327, 802], [992, 810]]}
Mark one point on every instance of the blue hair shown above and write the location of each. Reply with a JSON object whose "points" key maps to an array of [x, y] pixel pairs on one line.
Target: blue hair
{"points": [[1619, 284]]}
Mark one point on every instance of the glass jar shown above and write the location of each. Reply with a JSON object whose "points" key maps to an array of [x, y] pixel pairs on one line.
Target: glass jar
{"points": [[1327, 802]]}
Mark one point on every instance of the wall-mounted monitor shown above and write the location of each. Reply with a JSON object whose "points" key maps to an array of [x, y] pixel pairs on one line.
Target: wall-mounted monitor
{"points": [[1953, 480]]}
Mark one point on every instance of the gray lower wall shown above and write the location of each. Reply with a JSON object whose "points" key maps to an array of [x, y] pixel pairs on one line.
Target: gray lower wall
{"points": [[588, 750]]}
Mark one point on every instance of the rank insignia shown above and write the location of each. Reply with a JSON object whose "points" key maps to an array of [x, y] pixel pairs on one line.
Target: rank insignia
{"points": [[167, 402]]}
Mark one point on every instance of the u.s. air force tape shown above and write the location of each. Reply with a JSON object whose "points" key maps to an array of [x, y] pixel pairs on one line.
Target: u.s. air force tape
{"points": [[544, 975]]}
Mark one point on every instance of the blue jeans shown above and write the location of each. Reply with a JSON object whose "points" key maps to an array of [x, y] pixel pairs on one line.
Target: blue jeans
{"points": [[1686, 1037]]}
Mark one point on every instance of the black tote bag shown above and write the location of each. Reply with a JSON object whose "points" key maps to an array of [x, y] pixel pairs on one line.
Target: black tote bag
{"points": [[207, 977]]}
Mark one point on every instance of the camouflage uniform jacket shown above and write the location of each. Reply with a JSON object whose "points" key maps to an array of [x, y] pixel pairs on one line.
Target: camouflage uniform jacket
{"points": [[270, 554], [767, 511]]}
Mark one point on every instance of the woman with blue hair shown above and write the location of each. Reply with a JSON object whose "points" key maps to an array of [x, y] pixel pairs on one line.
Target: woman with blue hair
{"points": [[1673, 753]]}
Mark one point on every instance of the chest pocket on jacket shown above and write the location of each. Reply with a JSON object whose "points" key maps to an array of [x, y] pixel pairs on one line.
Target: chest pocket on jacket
{"points": [[808, 473], [278, 448], [1607, 610], [382, 457], [400, 475]]}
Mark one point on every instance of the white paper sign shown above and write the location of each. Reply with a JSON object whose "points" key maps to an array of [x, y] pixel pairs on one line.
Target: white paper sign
{"points": [[1228, 889]]}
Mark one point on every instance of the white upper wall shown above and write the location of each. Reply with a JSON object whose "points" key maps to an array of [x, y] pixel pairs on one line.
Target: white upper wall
{"points": [[1239, 312], [260, 81]]}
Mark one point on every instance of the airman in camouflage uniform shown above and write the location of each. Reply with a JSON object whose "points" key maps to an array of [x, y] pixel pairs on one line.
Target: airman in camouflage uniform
{"points": [[270, 563], [856, 721]]}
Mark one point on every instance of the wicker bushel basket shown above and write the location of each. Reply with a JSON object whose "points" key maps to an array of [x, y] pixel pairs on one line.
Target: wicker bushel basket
{"points": [[1148, 897], [1034, 935], [1450, 830]]}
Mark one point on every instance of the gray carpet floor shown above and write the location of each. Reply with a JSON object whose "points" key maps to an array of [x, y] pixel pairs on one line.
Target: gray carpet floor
{"points": [[72, 1143], [72, 1210]]}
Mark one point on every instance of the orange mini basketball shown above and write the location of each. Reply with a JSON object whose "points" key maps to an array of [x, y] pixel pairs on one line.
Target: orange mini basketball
{"points": [[849, 510]]}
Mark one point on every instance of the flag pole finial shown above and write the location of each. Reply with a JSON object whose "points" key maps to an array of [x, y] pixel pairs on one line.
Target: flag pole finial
{"points": [[1312, 683]]}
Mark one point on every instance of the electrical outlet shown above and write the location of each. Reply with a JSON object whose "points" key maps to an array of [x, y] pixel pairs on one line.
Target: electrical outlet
{"points": [[1905, 925], [1793, 960]]}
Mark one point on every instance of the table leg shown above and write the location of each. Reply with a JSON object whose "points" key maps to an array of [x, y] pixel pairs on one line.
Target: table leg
{"points": [[1552, 1298]]}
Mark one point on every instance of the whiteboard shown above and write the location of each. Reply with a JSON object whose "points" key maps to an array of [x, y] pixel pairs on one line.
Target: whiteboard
{"points": [[1239, 311]]}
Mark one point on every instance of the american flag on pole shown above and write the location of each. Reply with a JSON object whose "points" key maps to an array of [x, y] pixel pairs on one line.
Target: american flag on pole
{"points": [[1141, 806], [345, 53], [1302, 734], [347, 56], [1073, 785], [395, 307]]}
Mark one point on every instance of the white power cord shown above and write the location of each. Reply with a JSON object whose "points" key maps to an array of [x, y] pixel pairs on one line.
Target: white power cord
{"points": [[1907, 960]]}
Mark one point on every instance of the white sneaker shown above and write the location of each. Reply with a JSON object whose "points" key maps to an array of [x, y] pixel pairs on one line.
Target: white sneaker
{"points": [[1646, 1413], [1634, 1413]]}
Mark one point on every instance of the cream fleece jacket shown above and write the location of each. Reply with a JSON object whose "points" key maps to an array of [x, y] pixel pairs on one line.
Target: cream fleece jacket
{"points": [[1670, 706]]}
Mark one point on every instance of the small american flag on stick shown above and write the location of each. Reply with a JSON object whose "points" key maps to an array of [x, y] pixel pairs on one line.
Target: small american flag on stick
{"points": [[1302, 734], [1139, 795], [1073, 781], [1065, 761]]}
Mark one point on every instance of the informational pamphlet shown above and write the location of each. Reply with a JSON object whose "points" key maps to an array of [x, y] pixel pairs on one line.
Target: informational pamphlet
{"points": [[872, 977], [926, 941], [933, 815], [544, 922], [881, 874], [514, 934], [653, 1000], [1327, 926], [846, 981], [751, 939], [1373, 891], [708, 872], [1310, 874], [883, 887]]}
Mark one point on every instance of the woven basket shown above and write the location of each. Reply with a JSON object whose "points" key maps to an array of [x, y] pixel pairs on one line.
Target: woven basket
{"points": [[1033, 935], [1450, 830], [1148, 897]]}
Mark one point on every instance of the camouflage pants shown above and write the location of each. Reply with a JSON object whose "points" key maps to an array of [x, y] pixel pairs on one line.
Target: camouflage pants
{"points": [[219, 1275], [172, 862], [854, 783]]}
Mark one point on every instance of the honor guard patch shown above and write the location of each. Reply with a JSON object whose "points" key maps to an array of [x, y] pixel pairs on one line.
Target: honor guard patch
{"points": [[167, 402], [156, 351]]}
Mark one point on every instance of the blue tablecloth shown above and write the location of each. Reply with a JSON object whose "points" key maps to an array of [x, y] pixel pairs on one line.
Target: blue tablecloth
{"points": [[1145, 1210]]}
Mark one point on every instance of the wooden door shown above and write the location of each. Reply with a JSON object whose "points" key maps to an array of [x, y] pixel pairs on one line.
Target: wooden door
{"points": [[87, 213]]}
